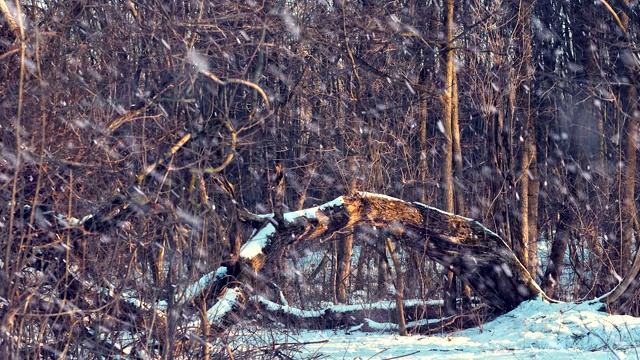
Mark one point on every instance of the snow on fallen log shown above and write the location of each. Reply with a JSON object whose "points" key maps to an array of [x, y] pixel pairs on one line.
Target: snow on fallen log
{"points": [[345, 315], [195, 289], [219, 313], [378, 305], [230, 300]]}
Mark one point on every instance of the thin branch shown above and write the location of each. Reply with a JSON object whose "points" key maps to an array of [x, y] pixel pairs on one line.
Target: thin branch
{"points": [[615, 16], [239, 81]]}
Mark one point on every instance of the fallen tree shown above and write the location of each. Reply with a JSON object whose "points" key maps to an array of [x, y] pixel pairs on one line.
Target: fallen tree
{"points": [[473, 252], [476, 254]]}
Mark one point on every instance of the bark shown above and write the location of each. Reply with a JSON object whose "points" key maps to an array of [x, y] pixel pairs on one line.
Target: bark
{"points": [[277, 194], [523, 253], [457, 149], [629, 183], [383, 268], [627, 201], [447, 98], [627, 291], [345, 247], [361, 273], [423, 146]]}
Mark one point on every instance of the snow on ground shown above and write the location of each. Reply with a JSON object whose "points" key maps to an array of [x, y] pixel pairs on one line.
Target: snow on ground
{"points": [[534, 330]]}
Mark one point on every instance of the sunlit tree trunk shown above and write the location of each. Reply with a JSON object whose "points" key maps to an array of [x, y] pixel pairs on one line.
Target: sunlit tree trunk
{"points": [[628, 201], [457, 149], [450, 290], [13, 24], [521, 111], [531, 158]]}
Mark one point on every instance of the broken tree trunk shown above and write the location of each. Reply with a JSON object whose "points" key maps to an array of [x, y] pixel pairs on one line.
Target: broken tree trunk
{"points": [[476, 254]]}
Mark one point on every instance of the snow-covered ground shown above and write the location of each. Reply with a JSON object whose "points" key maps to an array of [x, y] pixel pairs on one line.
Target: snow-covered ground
{"points": [[534, 330]]}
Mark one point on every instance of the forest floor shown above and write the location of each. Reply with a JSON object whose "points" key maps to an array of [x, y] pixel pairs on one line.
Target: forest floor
{"points": [[534, 330]]}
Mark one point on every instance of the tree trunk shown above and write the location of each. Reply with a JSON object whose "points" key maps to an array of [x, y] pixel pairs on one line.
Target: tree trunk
{"points": [[344, 253], [13, 24], [556, 255], [383, 268], [397, 268], [627, 200], [345, 316], [345, 247], [449, 286], [423, 147], [621, 298], [528, 154], [533, 194]]}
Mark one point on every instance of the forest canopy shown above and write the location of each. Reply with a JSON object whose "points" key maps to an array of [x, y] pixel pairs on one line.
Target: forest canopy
{"points": [[145, 146]]}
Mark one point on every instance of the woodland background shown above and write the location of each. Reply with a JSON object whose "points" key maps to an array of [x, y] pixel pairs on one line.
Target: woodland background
{"points": [[520, 114]]}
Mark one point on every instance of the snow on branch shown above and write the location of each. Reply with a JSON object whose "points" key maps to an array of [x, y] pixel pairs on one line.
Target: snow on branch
{"points": [[379, 305], [200, 286], [260, 240], [363, 317]]}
